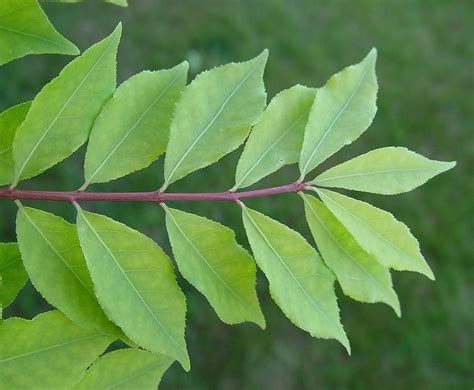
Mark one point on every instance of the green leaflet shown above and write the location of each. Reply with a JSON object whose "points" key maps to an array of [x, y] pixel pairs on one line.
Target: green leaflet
{"points": [[343, 109], [47, 352], [277, 138], [12, 272], [121, 3], [62, 114], [9, 122], [209, 257], [133, 127], [126, 369], [360, 275], [388, 171], [378, 232], [214, 116], [135, 283], [25, 29], [299, 281], [57, 268]]}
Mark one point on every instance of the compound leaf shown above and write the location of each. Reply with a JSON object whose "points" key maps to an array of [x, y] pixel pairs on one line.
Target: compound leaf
{"points": [[360, 275], [343, 109], [47, 352], [277, 138], [378, 232], [9, 122], [209, 257], [126, 369], [214, 116], [57, 268], [12, 273], [135, 283], [387, 171], [299, 281], [25, 29], [132, 129], [62, 114]]}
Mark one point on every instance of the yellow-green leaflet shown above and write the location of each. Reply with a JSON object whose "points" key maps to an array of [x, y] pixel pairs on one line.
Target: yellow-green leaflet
{"points": [[360, 275], [214, 116], [25, 29], [9, 122], [378, 232], [132, 129], [343, 109], [126, 369], [300, 283], [388, 171], [12, 272], [277, 138], [62, 114], [135, 284], [57, 268], [48, 352], [209, 257]]}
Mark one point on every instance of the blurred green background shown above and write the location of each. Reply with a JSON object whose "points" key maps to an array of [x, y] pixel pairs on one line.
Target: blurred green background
{"points": [[425, 70]]}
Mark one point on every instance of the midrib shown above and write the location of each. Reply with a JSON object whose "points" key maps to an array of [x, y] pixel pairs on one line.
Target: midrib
{"points": [[372, 173], [207, 264], [289, 271], [328, 129], [102, 243]]}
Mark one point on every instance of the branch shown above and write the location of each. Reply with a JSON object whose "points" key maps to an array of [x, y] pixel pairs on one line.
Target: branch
{"points": [[155, 196]]}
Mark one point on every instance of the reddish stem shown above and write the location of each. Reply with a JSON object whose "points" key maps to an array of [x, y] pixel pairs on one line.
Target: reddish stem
{"points": [[156, 196]]}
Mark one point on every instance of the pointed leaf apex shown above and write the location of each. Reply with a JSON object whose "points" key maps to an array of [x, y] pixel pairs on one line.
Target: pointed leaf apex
{"points": [[345, 342], [183, 65], [429, 274], [264, 53], [185, 363], [75, 50], [118, 29], [394, 303], [450, 165]]}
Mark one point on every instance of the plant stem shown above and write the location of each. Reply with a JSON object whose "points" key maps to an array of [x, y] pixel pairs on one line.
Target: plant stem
{"points": [[155, 196]]}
